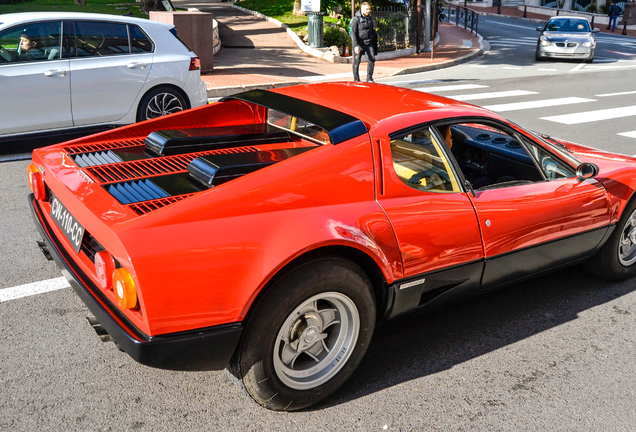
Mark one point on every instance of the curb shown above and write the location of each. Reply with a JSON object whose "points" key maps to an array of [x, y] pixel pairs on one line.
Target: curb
{"points": [[424, 68], [218, 92]]}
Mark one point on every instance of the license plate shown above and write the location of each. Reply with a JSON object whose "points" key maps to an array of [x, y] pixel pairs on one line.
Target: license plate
{"points": [[72, 229], [565, 51]]}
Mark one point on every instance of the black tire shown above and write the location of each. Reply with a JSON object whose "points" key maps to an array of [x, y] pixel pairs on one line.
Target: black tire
{"points": [[617, 258], [537, 57], [161, 101], [281, 361]]}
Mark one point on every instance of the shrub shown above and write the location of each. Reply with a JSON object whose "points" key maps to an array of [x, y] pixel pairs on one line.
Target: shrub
{"points": [[336, 36], [591, 8], [603, 9]]}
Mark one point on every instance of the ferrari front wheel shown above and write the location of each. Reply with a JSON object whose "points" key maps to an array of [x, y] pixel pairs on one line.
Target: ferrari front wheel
{"points": [[617, 258], [306, 336]]}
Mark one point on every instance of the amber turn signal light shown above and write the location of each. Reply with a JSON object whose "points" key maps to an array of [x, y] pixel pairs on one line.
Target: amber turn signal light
{"points": [[104, 268], [36, 182], [124, 289]]}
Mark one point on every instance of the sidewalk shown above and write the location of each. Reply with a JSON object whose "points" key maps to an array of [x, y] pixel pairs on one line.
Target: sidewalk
{"points": [[257, 54]]}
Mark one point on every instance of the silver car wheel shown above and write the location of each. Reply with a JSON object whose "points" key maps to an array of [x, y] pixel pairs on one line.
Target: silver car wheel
{"points": [[163, 104], [316, 340], [627, 243]]}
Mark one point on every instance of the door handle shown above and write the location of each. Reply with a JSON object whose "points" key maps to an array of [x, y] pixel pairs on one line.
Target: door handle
{"points": [[136, 65], [55, 72]]}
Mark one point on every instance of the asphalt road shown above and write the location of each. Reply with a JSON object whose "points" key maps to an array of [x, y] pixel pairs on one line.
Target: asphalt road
{"points": [[556, 353]]}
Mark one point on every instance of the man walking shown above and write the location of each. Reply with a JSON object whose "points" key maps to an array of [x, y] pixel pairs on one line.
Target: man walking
{"points": [[364, 40], [614, 12]]}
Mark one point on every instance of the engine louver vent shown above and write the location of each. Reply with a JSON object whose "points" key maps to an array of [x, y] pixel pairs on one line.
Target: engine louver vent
{"points": [[148, 206], [483, 136], [96, 158], [104, 146], [136, 191], [155, 166]]}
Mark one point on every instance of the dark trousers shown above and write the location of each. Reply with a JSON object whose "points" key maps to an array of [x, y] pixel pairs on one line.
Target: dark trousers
{"points": [[612, 20], [369, 50]]}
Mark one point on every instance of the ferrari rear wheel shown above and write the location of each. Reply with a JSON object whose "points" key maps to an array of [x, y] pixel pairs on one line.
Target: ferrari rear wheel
{"points": [[306, 336], [617, 259]]}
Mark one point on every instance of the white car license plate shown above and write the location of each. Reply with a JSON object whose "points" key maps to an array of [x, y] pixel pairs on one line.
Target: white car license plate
{"points": [[565, 51], [72, 229]]}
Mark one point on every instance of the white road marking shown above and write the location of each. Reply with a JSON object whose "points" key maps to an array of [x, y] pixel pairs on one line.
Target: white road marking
{"points": [[590, 116], [547, 70], [478, 66], [33, 289], [577, 67], [451, 88], [616, 94], [492, 95], [467, 43], [330, 76], [537, 104], [631, 134], [511, 67], [508, 25]]}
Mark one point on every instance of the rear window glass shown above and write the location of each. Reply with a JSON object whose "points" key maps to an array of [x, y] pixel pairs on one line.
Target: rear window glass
{"points": [[101, 38], [298, 126], [139, 42]]}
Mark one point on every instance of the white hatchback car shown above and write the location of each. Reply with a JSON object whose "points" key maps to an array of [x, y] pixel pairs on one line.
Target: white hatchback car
{"points": [[64, 73]]}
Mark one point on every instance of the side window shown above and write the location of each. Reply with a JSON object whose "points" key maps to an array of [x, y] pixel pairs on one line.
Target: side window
{"points": [[419, 162], [553, 169], [139, 42], [491, 158], [98, 39], [31, 42]]}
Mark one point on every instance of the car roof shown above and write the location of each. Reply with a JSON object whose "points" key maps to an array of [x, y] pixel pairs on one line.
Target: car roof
{"points": [[571, 17], [24, 17], [375, 104]]}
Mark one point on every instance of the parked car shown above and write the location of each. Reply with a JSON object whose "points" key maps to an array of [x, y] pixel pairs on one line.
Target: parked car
{"points": [[566, 37], [65, 72], [270, 232]]}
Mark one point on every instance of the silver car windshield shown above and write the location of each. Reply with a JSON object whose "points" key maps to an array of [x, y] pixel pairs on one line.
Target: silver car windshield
{"points": [[568, 25]]}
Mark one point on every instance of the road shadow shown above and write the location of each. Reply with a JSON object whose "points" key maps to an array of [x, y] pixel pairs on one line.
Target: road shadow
{"points": [[424, 345]]}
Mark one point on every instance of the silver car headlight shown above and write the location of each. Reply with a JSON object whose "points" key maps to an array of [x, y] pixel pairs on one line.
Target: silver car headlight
{"points": [[587, 44], [544, 41]]}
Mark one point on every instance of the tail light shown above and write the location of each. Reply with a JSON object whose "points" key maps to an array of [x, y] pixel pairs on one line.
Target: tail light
{"points": [[36, 182], [195, 64], [124, 289], [104, 269]]}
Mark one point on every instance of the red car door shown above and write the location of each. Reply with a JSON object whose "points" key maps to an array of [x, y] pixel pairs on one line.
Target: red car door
{"points": [[534, 213], [433, 220]]}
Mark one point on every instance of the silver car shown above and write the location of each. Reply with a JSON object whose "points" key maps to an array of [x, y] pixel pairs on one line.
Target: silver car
{"points": [[71, 73], [566, 37]]}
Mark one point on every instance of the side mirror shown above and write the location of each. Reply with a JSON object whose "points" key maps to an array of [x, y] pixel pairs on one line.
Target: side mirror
{"points": [[540, 28], [586, 170], [595, 30]]}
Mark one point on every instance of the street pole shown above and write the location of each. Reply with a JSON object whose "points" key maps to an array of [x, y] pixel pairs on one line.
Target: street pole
{"points": [[427, 37], [418, 13]]}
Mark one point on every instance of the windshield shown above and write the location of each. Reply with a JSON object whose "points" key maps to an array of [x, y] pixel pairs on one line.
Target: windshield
{"points": [[568, 25]]}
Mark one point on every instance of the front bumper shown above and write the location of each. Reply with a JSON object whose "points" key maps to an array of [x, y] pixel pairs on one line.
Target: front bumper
{"points": [[552, 51], [202, 349]]}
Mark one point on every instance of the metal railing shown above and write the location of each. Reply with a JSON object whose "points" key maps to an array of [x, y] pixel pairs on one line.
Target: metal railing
{"points": [[460, 16], [396, 27]]}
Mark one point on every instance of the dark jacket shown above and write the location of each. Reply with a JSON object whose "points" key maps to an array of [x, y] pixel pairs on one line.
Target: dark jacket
{"points": [[362, 31], [614, 10]]}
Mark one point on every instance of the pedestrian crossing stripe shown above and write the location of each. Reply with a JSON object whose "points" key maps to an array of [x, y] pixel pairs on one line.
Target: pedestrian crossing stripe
{"points": [[451, 88], [537, 104], [631, 134], [590, 116], [492, 95]]}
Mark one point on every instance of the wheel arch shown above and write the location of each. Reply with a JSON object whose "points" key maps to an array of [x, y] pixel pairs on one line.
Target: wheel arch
{"points": [[366, 263], [167, 85]]}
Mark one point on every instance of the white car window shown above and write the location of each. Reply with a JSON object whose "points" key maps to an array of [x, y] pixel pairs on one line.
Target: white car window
{"points": [[31, 42]]}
